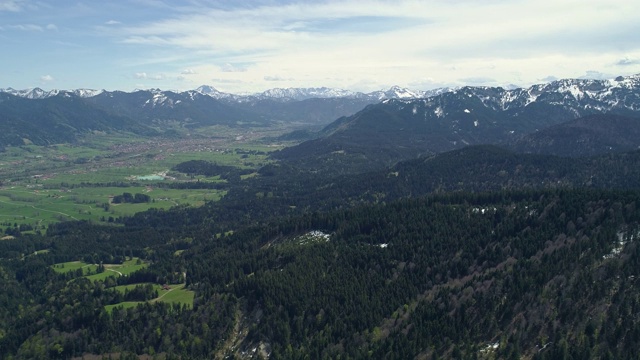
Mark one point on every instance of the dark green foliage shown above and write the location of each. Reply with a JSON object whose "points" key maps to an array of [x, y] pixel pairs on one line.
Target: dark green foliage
{"points": [[444, 275], [206, 168], [587, 136], [438, 257], [129, 198]]}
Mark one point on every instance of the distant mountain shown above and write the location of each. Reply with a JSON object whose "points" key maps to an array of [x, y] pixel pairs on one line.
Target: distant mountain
{"points": [[397, 129], [377, 128], [190, 109], [303, 106], [279, 94], [294, 94], [37, 93]]}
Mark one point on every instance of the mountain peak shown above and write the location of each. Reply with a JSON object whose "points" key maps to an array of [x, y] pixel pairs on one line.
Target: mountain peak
{"points": [[207, 89], [305, 93]]}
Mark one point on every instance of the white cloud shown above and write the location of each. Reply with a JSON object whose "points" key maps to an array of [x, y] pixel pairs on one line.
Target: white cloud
{"points": [[276, 78], [11, 5], [343, 43], [355, 44], [549, 78], [233, 68], [46, 78], [227, 81], [26, 27], [478, 80], [626, 61], [144, 75], [593, 74]]}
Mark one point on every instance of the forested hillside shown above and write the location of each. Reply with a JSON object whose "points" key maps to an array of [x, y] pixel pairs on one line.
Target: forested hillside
{"points": [[370, 266], [502, 274]]}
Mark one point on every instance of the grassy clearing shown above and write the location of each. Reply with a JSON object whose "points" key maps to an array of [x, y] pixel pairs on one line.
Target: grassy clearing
{"points": [[178, 294], [123, 288], [124, 305], [63, 268], [116, 270], [89, 270]]}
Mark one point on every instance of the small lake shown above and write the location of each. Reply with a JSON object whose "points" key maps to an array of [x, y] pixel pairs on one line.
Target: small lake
{"points": [[150, 177]]}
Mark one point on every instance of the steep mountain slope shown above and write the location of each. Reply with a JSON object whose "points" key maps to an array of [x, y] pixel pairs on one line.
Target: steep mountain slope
{"points": [[395, 129], [57, 119], [590, 135], [473, 168]]}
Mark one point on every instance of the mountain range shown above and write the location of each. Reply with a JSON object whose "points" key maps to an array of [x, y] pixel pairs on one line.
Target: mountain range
{"points": [[396, 129], [282, 94], [383, 126]]}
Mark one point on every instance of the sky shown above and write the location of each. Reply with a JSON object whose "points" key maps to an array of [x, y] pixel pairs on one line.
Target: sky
{"points": [[359, 45]]}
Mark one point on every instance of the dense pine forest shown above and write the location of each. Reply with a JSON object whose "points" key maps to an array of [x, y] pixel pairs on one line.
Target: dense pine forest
{"points": [[516, 256]]}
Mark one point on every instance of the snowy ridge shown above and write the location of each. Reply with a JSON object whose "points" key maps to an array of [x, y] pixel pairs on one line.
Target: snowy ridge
{"points": [[304, 93], [38, 93], [586, 94], [598, 95]]}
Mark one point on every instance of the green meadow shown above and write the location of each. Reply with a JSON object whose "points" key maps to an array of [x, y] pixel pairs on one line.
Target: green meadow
{"points": [[63, 268], [178, 294], [41, 185], [89, 270]]}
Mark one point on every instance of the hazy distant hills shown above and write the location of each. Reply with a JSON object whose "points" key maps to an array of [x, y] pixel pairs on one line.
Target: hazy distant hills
{"points": [[154, 111], [191, 109], [57, 119], [396, 129], [373, 129]]}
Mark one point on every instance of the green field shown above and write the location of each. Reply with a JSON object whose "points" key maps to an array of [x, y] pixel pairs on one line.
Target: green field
{"points": [[125, 268], [63, 268], [124, 288], [41, 185], [177, 294], [89, 270]]}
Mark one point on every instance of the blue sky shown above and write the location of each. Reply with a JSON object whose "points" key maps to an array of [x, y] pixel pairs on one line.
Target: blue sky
{"points": [[363, 45]]}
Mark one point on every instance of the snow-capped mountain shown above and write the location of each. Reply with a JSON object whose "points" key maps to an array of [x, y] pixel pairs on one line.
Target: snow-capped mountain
{"points": [[215, 93], [305, 93], [38, 93], [428, 121], [86, 93], [407, 127], [578, 96], [569, 89], [396, 92]]}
